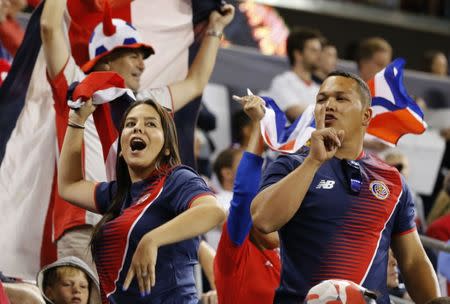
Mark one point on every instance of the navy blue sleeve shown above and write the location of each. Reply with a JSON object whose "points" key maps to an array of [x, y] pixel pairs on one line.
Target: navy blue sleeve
{"points": [[281, 167], [183, 186], [405, 220], [104, 193], [248, 176]]}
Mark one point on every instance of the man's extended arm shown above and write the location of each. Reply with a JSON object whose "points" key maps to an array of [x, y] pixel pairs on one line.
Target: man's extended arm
{"points": [[202, 67], [415, 267], [54, 43]]}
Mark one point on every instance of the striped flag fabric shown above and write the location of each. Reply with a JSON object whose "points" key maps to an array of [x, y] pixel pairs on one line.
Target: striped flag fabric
{"points": [[282, 138], [102, 87], [28, 139], [395, 114]]}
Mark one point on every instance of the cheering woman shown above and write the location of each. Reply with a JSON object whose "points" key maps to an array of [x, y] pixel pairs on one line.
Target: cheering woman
{"points": [[145, 247]]}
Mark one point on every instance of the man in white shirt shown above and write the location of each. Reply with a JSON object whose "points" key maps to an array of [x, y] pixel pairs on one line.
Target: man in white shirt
{"points": [[294, 90]]}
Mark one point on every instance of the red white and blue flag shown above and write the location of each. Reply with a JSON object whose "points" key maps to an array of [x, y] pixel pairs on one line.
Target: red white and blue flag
{"points": [[28, 141], [395, 114]]}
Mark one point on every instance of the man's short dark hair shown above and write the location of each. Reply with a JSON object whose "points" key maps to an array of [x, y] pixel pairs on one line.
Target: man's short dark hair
{"points": [[363, 88], [224, 160], [297, 39], [369, 46]]}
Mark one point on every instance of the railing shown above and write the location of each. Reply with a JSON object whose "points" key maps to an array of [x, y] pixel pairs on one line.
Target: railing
{"points": [[434, 244]]}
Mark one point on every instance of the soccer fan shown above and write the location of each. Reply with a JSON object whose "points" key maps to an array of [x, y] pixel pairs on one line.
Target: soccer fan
{"points": [[294, 90], [373, 55], [145, 247], [247, 264], [338, 209], [327, 62], [436, 63], [68, 280], [114, 46]]}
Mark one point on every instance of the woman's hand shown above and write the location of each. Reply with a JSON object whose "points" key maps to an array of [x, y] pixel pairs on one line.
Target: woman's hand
{"points": [[209, 297], [143, 266], [79, 116]]}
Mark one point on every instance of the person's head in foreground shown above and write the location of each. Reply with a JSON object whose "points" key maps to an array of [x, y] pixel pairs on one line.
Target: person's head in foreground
{"points": [[345, 100], [440, 300], [339, 291], [68, 280]]}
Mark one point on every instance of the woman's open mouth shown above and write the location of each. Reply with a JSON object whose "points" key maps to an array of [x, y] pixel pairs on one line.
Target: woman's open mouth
{"points": [[137, 144]]}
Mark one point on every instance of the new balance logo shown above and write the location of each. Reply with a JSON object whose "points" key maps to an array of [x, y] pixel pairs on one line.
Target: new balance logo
{"points": [[326, 184]]}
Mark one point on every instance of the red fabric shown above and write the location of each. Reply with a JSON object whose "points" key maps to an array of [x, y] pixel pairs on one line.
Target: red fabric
{"points": [[245, 274], [34, 3], [85, 15], [97, 81], [3, 296], [11, 35], [440, 228], [4, 69], [64, 215]]}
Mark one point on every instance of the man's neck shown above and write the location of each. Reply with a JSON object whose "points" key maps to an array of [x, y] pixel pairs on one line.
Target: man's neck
{"points": [[302, 73], [350, 150]]}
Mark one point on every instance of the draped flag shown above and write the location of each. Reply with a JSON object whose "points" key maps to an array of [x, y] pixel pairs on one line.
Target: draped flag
{"points": [[28, 145], [395, 114], [282, 138], [102, 87]]}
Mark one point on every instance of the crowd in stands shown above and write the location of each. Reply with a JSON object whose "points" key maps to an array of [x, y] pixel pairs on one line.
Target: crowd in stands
{"points": [[258, 233]]}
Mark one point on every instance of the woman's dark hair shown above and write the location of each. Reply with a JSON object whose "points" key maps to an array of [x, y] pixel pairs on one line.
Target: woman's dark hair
{"points": [[123, 176]]}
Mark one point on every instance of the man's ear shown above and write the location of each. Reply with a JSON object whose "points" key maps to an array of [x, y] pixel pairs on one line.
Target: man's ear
{"points": [[104, 66], [166, 152], [367, 116]]}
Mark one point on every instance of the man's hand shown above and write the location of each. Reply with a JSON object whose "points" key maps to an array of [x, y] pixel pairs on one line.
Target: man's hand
{"points": [[218, 21], [324, 141], [254, 106]]}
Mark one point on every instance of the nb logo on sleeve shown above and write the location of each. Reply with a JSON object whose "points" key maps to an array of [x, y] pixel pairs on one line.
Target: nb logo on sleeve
{"points": [[326, 184]]}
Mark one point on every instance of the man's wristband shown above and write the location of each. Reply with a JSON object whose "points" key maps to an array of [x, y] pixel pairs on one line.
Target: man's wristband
{"points": [[75, 125], [212, 32]]}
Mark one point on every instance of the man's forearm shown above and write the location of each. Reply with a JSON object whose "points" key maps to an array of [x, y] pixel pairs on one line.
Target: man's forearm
{"points": [[276, 205], [421, 282]]}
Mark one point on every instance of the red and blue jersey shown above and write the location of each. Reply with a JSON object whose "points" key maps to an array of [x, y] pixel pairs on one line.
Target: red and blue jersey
{"points": [[340, 233], [150, 203]]}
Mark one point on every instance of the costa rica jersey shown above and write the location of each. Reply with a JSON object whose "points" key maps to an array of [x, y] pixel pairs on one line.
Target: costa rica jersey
{"points": [[150, 203], [341, 231]]}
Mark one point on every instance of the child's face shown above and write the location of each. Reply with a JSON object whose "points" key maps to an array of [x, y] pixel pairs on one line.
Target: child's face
{"points": [[70, 289]]}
